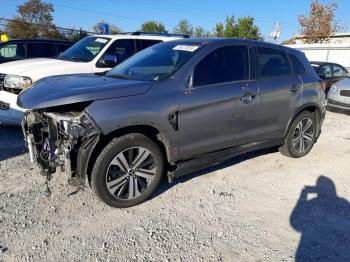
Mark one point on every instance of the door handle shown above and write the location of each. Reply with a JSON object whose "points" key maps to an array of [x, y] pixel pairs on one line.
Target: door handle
{"points": [[295, 88], [247, 98]]}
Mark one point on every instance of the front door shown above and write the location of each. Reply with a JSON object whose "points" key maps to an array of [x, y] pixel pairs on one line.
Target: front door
{"points": [[218, 110]]}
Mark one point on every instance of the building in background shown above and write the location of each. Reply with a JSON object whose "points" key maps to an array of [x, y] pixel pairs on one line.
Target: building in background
{"points": [[337, 38], [335, 50]]}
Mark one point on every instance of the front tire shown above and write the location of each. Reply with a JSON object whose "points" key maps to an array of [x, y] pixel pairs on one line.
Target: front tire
{"points": [[127, 171], [301, 136]]}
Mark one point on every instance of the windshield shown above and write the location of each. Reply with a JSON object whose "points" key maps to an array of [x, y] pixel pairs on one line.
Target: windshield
{"points": [[155, 63], [85, 50]]}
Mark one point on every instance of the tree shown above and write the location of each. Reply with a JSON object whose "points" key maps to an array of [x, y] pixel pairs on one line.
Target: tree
{"points": [[153, 26], [230, 27], [113, 29], [34, 19], [201, 32], [320, 23], [183, 27], [244, 28], [219, 29], [247, 30]]}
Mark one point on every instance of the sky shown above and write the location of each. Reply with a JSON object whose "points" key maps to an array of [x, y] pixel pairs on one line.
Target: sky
{"points": [[129, 14]]}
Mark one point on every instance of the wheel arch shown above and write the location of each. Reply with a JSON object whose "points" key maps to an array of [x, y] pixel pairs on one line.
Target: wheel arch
{"points": [[311, 107], [149, 131]]}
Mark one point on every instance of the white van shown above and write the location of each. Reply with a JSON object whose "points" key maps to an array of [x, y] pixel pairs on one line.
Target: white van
{"points": [[93, 54]]}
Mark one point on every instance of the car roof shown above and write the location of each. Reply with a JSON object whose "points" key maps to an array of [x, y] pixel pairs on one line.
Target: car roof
{"points": [[319, 63], [163, 37], [222, 40]]}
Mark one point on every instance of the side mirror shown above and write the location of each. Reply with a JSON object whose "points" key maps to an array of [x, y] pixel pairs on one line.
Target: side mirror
{"points": [[110, 60], [322, 76]]}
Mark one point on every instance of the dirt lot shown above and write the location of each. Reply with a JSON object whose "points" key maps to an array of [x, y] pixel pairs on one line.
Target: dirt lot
{"points": [[248, 209]]}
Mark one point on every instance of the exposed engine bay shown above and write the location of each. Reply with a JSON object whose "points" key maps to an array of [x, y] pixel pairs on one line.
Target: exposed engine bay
{"points": [[54, 140]]}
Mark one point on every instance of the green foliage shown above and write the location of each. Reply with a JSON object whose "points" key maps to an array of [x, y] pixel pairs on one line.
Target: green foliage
{"points": [[219, 30], [153, 26], [243, 28], [247, 30], [201, 32], [183, 27], [230, 27]]}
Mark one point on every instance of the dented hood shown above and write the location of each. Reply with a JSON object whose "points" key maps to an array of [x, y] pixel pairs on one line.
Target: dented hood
{"points": [[70, 89]]}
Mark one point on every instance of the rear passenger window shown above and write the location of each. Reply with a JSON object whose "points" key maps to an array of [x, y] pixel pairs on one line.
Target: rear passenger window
{"points": [[273, 63], [298, 67], [41, 50], [226, 64], [143, 43]]}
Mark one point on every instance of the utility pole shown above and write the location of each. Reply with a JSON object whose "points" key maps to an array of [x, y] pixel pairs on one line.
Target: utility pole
{"points": [[275, 35]]}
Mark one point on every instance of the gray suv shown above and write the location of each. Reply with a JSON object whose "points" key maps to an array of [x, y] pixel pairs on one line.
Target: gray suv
{"points": [[172, 109]]}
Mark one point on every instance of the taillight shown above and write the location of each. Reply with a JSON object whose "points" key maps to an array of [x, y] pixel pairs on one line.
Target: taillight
{"points": [[323, 85]]}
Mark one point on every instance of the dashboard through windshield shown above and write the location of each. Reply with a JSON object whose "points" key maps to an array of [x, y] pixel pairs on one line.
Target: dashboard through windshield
{"points": [[155, 63], [85, 50]]}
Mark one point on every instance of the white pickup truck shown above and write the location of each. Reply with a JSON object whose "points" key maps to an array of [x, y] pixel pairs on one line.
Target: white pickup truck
{"points": [[93, 54]]}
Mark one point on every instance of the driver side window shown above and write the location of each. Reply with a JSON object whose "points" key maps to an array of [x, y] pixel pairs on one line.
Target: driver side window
{"points": [[121, 49]]}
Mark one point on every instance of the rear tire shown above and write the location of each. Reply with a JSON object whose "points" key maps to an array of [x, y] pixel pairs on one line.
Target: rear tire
{"points": [[301, 136], [127, 171]]}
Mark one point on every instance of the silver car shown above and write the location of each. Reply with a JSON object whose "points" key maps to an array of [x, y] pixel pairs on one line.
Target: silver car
{"points": [[339, 95]]}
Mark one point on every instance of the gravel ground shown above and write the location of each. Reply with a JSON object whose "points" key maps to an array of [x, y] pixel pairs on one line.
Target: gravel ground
{"points": [[252, 208]]}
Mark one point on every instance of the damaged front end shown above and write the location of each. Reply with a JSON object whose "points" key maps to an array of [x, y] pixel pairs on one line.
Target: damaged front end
{"points": [[62, 140]]}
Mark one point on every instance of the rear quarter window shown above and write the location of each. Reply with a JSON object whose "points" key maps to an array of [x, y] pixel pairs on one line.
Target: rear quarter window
{"points": [[298, 67], [273, 63]]}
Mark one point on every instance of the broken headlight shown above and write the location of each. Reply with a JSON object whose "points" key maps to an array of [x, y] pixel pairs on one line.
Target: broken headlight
{"points": [[75, 126]]}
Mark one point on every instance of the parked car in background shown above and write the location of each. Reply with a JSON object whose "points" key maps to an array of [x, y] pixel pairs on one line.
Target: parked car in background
{"points": [[93, 54], [339, 95], [173, 108], [329, 72], [14, 50]]}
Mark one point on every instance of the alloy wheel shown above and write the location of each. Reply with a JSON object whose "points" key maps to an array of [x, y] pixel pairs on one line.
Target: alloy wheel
{"points": [[303, 135], [130, 173]]}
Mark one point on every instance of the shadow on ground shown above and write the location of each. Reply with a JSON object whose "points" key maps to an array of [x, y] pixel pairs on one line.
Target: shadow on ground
{"points": [[324, 223], [164, 186], [11, 142]]}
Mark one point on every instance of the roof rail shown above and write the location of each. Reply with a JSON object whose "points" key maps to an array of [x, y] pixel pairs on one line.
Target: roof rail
{"points": [[159, 34]]}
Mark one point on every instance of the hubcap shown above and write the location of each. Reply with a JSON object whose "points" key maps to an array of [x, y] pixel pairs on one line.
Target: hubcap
{"points": [[130, 173], [303, 135]]}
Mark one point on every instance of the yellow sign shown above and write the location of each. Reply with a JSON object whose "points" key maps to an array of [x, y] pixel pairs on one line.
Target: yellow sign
{"points": [[4, 38]]}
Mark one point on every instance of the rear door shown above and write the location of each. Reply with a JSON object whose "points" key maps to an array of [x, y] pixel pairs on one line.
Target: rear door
{"points": [[36, 50], [218, 110], [279, 92]]}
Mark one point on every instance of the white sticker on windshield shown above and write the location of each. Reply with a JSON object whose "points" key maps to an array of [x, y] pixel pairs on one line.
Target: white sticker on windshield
{"points": [[188, 48], [101, 40]]}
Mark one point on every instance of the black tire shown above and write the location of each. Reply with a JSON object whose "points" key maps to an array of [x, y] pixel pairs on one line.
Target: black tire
{"points": [[289, 148], [100, 174]]}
